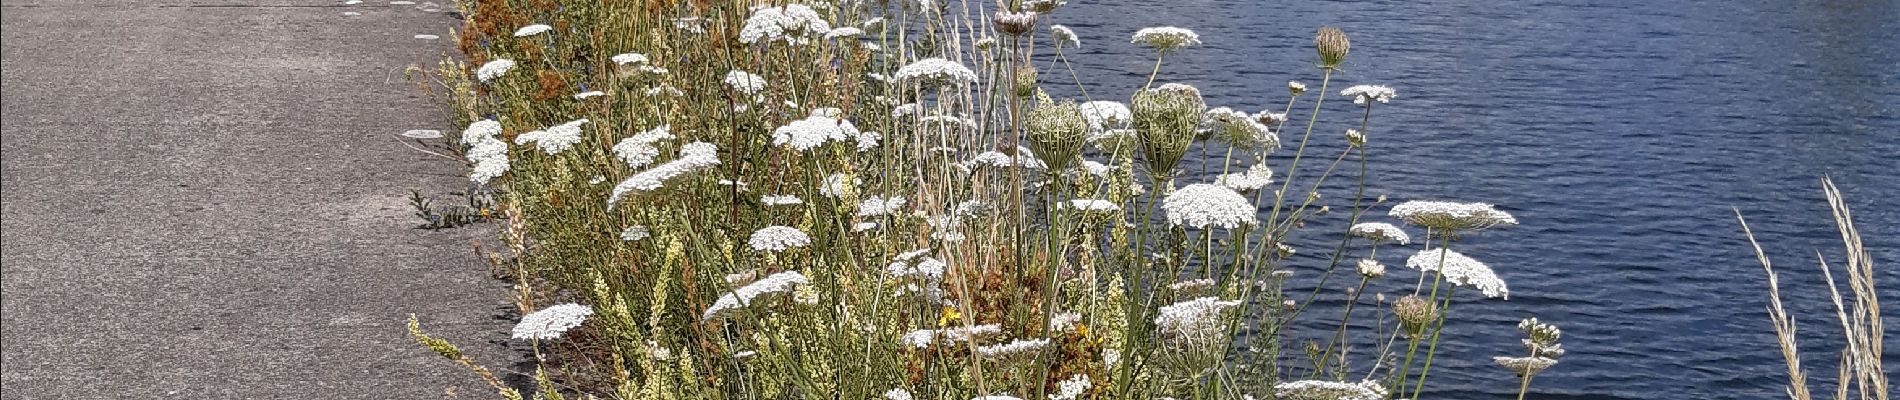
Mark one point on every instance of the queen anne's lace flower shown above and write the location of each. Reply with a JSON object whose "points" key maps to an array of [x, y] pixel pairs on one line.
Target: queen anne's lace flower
{"points": [[1329, 390], [1200, 205], [693, 157], [1256, 177], [556, 139], [1193, 322], [743, 296], [1371, 268], [1237, 129], [1361, 93], [1460, 270], [744, 82], [552, 322], [844, 32], [637, 150], [1525, 365], [814, 131], [635, 233], [629, 58], [897, 394], [925, 338], [1379, 232], [589, 94], [877, 205], [1105, 115], [1063, 35], [532, 30], [1071, 388], [792, 23], [1018, 347], [778, 238], [1166, 38], [1024, 158], [781, 200], [1451, 216], [1093, 205], [494, 69], [936, 70], [490, 156]]}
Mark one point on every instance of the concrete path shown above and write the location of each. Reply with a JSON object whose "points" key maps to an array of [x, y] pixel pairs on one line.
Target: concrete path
{"points": [[204, 200]]}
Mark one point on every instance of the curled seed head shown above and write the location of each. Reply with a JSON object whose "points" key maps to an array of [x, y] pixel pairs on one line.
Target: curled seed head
{"points": [[1414, 312], [1014, 23], [1333, 46]]}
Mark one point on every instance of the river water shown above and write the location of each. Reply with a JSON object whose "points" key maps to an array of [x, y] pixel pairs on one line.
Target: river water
{"points": [[1620, 134]]}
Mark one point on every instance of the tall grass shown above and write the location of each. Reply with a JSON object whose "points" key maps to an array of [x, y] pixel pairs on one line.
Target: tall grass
{"points": [[762, 203], [1861, 371]]}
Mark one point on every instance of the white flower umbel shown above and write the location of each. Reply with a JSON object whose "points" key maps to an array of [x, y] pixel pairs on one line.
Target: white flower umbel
{"points": [[1525, 365], [1360, 94], [930, 269], [1071, 388], [1166, 38], [1239, 130], [1256, 177], [778, 238], [1380, 232], [485, 150], [793, 23], [838, 185], [1063, 35], [532, 30], [494, 69], [629, 59], [1371, 268], [1201, 205], [745, 82], [1015, 348], [1330, 390], [877, 205], [743, 296], [635, 233], [637, 150], [1024, 158], [693, 157], [814, 131], [552, 322], [1193, 322], [1450, 216], [1104, 115], [844, 32], [556, 139], [925, 338], [780, 200], [897, 394], [1460, 270], [589, 94], [936, 70], [1093, 206]]}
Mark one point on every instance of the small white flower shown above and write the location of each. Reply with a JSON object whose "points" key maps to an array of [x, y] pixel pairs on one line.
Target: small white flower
{"points": [[778, 238], [863, 226], [936, 70], [635, 233], [1451, 216], [638, 150], [781, 200], [532, 30], [1193, 322], [868, 141], [897, 394], [629, 58], [1200, 205], [925, 338], [494, 69], [556, 139], [589, 94], [876, 206], [1071, 388], [1106, 115], [1380, 232], [792, 23], [815, 131], [1256, 177], [1295, 86], [1093, 205], [1361, 93], [844, 32], [743, 296], [478, 130], [1166, 38], [693, 157], [1371, 268], [1015, 348], [552, 322], [1329, 390], [1063, 35], [1460, 270], [744, 82]]}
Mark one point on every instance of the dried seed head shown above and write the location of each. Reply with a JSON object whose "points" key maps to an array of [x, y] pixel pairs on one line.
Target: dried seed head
{"points": [[1333, 46], [1014, 24], [1025, 80], [1414, 312]]}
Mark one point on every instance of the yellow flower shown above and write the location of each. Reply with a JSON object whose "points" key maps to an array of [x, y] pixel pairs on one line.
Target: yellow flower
{"points": [[950, 314]]}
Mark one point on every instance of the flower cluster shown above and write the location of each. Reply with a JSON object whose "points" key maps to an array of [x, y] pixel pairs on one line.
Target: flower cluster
{"points": [[936, 70], [745, 82], [1063, 35], [693, 157], [1330, 390], [1239, 130], [778, 238], [791, 23], [1193, 322], [1450, 216], [532, 30], [1460, 270], [637, 150], [1200, 205], [926, 337], [1105, 115], [739, 298], [556, 139], [1361, 93], [875, 206], [1256, 177], [552, 322], [1380, 232], [1166, 38], [486, 150], [815, 131], [1015, 348], [635, 233], [494, 69]]}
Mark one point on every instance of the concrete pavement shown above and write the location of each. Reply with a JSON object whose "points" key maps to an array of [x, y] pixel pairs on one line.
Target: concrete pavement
{"points": [[204, 199]]}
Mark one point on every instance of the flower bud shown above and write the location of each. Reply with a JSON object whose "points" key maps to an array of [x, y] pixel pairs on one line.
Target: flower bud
{"points": [[1025, 80], [1333, 45]]}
